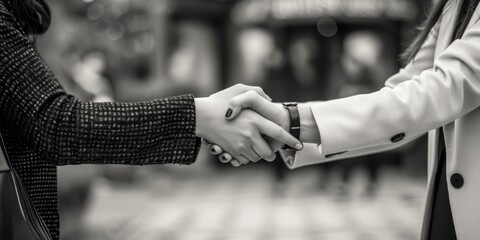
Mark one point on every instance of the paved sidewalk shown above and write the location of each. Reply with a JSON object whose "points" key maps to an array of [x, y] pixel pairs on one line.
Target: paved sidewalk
{"points": [[244, 205]]}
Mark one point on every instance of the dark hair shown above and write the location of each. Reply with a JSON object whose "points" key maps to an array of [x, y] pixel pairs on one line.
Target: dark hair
{"points": [[33, 15], [467, 11]]}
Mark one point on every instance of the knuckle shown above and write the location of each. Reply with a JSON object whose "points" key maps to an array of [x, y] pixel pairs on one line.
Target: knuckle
{"points": [[233, 102], [259, 90], [240, 86], [247, 134], [241, 146], [253, 94]]}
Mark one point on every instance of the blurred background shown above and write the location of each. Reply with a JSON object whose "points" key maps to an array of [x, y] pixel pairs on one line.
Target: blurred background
{"points": [[297, 50]]}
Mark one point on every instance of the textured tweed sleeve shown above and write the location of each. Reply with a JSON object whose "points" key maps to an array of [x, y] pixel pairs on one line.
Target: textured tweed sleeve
{"points": [[68, 131]]}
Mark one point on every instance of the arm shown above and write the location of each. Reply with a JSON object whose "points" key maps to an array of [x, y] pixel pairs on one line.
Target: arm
{"points": [[311, 155], [423, 61], [68, 131], [309, 129]]}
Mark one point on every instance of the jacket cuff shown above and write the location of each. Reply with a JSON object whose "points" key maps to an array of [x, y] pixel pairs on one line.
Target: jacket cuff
{"points": [[308, 156], [187, 144], [179, 145]]}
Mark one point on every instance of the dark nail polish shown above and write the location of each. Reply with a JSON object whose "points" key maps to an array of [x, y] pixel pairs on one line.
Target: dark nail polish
{"points": [[229, 113]]}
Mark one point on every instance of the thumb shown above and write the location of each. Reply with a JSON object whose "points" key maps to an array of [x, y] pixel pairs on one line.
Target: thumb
{"points": [[253, 101], [276, 132]]}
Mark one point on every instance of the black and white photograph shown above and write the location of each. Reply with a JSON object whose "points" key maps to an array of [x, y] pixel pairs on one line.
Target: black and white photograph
{"points": [[239, 119]]}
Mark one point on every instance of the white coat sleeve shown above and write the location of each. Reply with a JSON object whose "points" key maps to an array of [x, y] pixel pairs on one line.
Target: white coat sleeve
{"points": [[348, 142]]}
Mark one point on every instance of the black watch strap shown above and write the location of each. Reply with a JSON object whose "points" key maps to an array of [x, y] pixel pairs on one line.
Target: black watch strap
{"points": [[292, 108]]}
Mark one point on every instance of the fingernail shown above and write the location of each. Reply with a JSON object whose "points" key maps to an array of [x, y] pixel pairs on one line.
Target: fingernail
{"points": [[229, 113], [299, 146]]}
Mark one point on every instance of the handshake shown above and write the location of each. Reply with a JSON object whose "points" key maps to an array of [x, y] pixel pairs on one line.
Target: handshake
{"points": [[242, 125]]}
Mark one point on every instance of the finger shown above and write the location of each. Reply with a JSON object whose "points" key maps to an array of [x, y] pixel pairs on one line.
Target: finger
{"points": [[273, 159], [260, 92], [261, 147], [235, 163], [255, 156], [225, 157], [247, 157], [276, 132], [255, 102], [245, 100], [242, 159], [215, 149], [242, 88]]}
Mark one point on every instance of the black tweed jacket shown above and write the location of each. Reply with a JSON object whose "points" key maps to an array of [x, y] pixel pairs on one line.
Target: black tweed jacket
{"points": [[44, 127]]}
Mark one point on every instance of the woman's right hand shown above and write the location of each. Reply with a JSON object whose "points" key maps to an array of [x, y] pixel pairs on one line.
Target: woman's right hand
{"points": [[272, 111], [241, 137]]}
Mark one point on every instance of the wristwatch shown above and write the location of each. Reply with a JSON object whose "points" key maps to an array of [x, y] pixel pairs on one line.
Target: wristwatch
{"points": [[292, 108]]}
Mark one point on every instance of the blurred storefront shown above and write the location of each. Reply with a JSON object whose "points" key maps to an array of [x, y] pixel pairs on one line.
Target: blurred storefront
{"points": [[294, 45], [142, 49]]}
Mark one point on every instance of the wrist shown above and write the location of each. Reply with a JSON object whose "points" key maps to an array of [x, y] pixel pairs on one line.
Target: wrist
{"points": [[284, 117], [201, 118], [294, 117]]}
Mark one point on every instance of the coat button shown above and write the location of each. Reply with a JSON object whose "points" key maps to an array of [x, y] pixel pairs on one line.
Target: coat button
{"points": [[456, 180], [398, 138]]}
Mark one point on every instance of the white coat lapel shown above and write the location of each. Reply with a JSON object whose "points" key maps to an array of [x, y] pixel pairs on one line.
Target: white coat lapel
{"points": [[445, 34], [447, 25]]}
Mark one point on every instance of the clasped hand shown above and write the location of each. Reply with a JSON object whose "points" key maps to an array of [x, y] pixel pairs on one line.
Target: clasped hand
{"points": [[242, 136]]}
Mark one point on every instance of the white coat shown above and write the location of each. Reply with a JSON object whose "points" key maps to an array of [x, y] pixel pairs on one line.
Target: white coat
{"points": [[439, 88]]}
